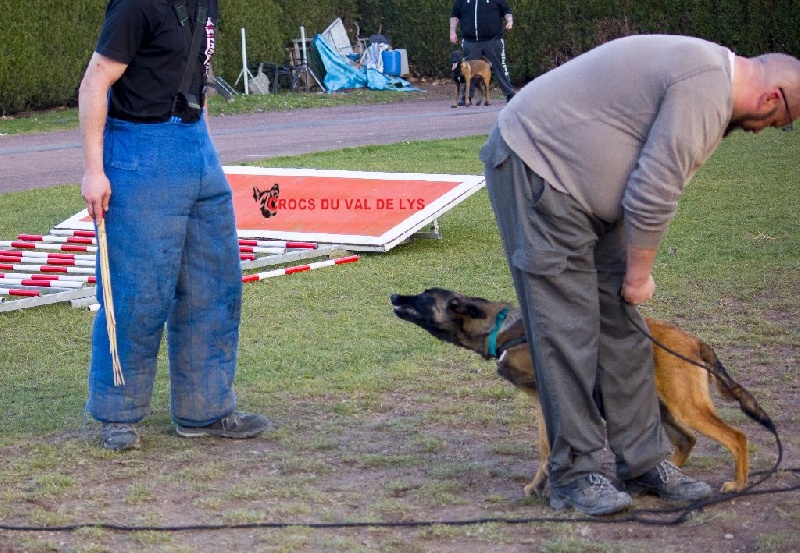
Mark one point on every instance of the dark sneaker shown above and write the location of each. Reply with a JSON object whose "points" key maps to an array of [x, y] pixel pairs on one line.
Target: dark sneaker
{"points": [[668, 482], [593, 495], [120, 436], [236, 425]]}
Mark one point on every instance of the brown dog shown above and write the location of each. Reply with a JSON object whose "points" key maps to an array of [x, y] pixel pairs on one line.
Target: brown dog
{"points": [[468, 71], [683, 388]]}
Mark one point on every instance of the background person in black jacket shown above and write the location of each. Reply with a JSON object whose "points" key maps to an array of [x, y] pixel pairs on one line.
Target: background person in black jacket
{"points": [[482, 25]]}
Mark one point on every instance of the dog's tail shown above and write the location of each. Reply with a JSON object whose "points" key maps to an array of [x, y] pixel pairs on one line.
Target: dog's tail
{"points": [[732, 390]]}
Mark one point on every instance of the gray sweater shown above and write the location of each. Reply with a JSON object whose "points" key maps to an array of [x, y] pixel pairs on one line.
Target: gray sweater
{"points": [[623, 128]]}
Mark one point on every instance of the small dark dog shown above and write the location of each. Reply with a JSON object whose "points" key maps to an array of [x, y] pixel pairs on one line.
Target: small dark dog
{"points": [[471, 72]]}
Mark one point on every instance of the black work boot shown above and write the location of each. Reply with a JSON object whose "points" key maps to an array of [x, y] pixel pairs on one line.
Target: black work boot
{"points": [[120, 436], [668, 482], [236, 425], [593, 494]]}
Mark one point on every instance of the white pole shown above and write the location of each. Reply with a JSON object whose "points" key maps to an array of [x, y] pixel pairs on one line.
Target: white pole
{"points": [[305, 59], [303, 41], [245, 72]]}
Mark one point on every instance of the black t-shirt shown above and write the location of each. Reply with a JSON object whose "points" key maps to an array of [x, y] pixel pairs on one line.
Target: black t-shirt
{"points": [[481, 19], [146, 35]]}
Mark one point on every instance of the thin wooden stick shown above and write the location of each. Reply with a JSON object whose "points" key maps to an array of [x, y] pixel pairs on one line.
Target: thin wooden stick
{"points": [[108, 300]]}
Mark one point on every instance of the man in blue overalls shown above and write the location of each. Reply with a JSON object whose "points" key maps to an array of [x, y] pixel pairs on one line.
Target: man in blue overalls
{"points": [[153, 174]]}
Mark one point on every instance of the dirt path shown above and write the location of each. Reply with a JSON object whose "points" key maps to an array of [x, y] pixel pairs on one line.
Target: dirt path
{"points": [[48, 159]]}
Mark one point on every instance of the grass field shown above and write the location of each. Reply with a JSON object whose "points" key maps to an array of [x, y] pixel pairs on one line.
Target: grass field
{"points": [[378, 421]]}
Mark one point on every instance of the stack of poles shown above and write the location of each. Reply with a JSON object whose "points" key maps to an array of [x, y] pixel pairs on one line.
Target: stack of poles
{"points": [[35, 265], [42, 265]]}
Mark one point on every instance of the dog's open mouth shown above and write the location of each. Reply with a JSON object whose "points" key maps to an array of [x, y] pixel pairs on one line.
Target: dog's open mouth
{"points": [[404, 309], [406, 312]]}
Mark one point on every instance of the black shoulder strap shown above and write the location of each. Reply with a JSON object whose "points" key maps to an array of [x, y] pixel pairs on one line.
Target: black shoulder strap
{"points": [[181, 11], [194, 38]]}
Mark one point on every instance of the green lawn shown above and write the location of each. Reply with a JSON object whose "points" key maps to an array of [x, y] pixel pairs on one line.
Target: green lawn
{"points": [[731, 257], [379, 421]]}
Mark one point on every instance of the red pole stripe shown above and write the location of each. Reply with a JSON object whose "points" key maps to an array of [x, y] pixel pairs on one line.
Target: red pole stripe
{"points": [[52, 269], [298, 269], [17, 292], [75, 248], [37, 283]]}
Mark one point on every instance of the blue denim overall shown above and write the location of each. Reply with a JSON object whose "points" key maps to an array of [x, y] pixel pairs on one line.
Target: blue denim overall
{"points": [[174, 260]]}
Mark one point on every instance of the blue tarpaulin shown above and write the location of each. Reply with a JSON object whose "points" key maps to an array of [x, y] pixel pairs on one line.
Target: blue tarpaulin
{"points": [[341, 73]]}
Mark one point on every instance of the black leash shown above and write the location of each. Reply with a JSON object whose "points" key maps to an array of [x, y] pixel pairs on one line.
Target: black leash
{"points": [[681, 513]]}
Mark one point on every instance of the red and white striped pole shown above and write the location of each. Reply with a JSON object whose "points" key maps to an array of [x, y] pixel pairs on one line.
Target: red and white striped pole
{"points": [[56, 239], [45, 268], [299, 268], [40, 283], [47, 246], [72, 232], [278, 244], [38, 260], [51, 255], [36, 276], [256, 249]]}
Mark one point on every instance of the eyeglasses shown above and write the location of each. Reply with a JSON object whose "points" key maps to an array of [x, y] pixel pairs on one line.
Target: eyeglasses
{"points": [[790, 125]]}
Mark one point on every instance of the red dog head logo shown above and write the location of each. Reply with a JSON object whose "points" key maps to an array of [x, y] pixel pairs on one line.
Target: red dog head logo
{"points": [[267, 200]]}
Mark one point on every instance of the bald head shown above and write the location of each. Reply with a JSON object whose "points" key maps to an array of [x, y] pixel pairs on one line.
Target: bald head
{"points": [[766, 92], [783, 71]]}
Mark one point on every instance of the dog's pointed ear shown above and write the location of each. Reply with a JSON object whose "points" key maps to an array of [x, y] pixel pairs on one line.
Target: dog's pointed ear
{"points": [[466, 308]]}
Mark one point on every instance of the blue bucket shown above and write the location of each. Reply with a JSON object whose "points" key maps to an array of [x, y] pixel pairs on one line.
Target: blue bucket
{"points": [[391, 63]]}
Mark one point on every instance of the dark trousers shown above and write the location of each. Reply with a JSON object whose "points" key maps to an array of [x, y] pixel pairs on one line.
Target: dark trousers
{"points": [[495, 51], [594, 369]]}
